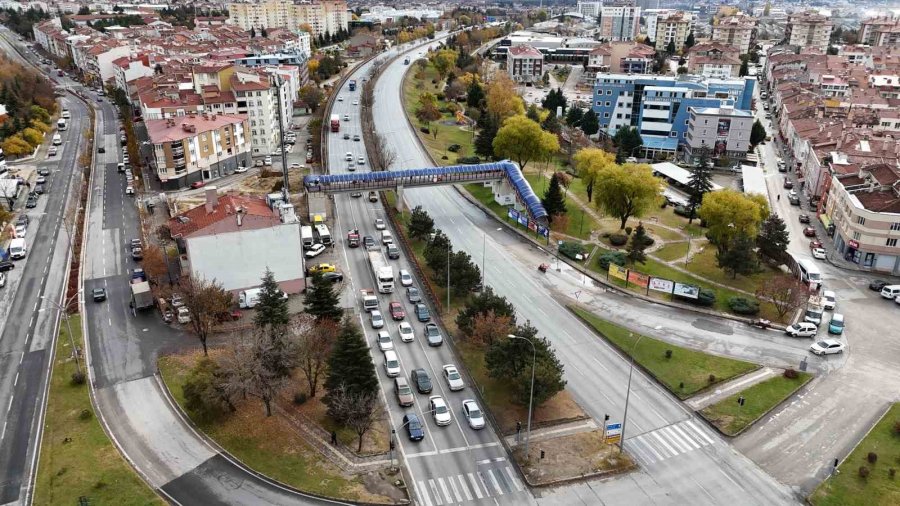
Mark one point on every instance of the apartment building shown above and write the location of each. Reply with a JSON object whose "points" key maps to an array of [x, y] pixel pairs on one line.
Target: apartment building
{"points": [[862, 208], [622, 57], [670, 26], [714, 59], [198, 147], [322, 16], [880, 31], [590, 10], [619, 20], [719, 131], [525, 64], [809, 30], [738, 30], [659, 106]]}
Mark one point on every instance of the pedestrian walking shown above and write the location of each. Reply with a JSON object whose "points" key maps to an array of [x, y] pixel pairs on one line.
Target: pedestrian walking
{"points": [[779, 197], [334, 438]]}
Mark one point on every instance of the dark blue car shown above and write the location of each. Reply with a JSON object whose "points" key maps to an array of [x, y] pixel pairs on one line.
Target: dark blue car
{"points": [[422, 313], [413, 427]]}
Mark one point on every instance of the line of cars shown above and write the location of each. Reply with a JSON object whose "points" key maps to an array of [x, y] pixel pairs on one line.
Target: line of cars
{"points": [[814, 317]]}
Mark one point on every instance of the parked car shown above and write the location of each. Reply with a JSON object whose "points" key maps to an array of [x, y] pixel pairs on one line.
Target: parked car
{"points": [[815, 243], [406, 333], [198, 184], [453, 378], [373, 197], [368, 241], [384, 340], [6, 265], [414, 428], [2, 279], [877, 285], [804, 218], [827, 347], [241, 170], [794, 200], [836, 325], [809, 232], [99, 294], [405, 278], [184, 315], [137, 253], [788, 184], [829, 299], [439, 410], [315, 250], [819, 253], [376, 319], [472, 414], [323, 267], [802, 329], [433, 335], [334, 277], [396, 310], [419, 378], [31, 203], [422, 312]]}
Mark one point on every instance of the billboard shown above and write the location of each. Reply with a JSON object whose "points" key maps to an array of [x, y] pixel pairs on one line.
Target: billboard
{"points": [[638, 278], [617, 271], [661, 285], [723, 128], [688, 291]]}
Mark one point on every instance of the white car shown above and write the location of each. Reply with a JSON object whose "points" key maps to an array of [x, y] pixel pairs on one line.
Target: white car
{"points": [[406, 332], [184, 315], [827, 347], [376, 319], [296, 165], [40, 180], [360, 161], [391, 364], [129, 190], [379, 224], [2, 279], [348, 156], [346, 117], [241, 170], [829, 299], [21, 230], [384, 341], [439, 410], [818, 253], [315, 250], [267, 160], [405, 278], [340, 98], [802, 329], [454, 379], [472, 414]]}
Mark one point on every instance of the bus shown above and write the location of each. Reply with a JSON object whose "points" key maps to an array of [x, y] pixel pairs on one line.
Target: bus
{"points": [[61, 124]]}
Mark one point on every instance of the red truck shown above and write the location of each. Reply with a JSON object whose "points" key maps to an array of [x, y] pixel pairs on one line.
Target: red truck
{"points": [[353, 238], [335, 123]]}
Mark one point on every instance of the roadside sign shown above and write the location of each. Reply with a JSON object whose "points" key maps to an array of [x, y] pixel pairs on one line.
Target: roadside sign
{"points": [[613, 433]]}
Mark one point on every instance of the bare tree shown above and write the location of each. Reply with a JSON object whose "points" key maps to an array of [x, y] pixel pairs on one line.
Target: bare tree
{"points": [[382, 154], [313, 341], [785, 292], [359, 411], [248, 372], [207, 303]]}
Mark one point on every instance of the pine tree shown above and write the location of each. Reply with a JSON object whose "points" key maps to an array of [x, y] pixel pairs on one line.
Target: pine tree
{"points": [[739, 258], [533, 114], [757, 133], [349, 365], [590, 123], [484, 141], [689, 41], [551, 124], [272, 308], [252, 32], [475, 95], [639, 242], [574, 116], [745, 66], [264, 33], [554, 201], [773, 238], [699, 183], [670, 47], [322, 301]]}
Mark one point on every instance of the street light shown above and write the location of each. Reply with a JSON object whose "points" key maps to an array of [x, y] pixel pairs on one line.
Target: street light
{"points": [[628, 391], [65, 314], [531, 395]]}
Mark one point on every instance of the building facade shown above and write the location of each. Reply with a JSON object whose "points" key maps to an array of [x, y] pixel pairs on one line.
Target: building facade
{"points": [[673, 27], [525, 64], [738, 31], [198, 147], [880, 31], [619, 21], [624, 57], [322, 16], [721, 132], [809, 30], [590, 10], [714, 59]]}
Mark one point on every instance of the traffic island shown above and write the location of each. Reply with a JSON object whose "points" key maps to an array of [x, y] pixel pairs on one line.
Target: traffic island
{"points": [[568, 458], [77, 460], [869, 475]]}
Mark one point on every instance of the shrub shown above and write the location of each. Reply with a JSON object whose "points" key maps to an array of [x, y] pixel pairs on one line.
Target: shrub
{"points": [[425, 130], [616, 257], [572, 249], [706, 298], [863, 472], [628, 230], [743, 306], [897, 427], [791, 374], [668, 354], [711, 379], [469, 160], [686, 211], [440, 97], [618, 239], [872, 457], [85, 414], [299, 398], [78, 378], [202, 396], [453, 148]]}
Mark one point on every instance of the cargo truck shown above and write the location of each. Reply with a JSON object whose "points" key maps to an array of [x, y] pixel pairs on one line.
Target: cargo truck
{"points": [[382, 271], [353, 238], [352, 84], [141, 297], [335, 123], [368, 300]]}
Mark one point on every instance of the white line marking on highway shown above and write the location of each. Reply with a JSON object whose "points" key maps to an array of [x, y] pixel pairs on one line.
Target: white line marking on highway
{"points": [[576, 368], [31, 322], [475, 486], [699, 431], [495, 482], [664, 443], [513, 479], [10, 403], [487, 490], [676, 440], [445, 490], [422, 493], [452, 483], [35, 306], [648, 446], [435, 492], [21, 358], [421, 454], [637, 449], [454, 450], [686, 436], [16, 381], [600, 364], [488, 461], [465, 488]]}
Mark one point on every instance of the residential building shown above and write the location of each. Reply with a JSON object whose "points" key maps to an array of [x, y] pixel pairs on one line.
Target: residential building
{"points": [[590, 10], [880, 31], [672, 26], [619, 20], [234, 239], [863, 207], [127, 69], [808, 30], [714, 59], [622, 57], [659, 106], [554, 48], [718, 131], [525, 64], [737, 30], [198, 147], [362, 45], [322, 16]]}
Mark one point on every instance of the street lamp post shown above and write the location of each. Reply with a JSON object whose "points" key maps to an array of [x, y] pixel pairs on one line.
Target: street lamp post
{"points": [[65, 315], [531, 395], [628, 391]]}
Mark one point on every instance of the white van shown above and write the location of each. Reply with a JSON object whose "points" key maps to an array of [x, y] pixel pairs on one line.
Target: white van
{"points": [[324, 234], [809, 273], [57, 140], [386, 237], [891, 292], [18, 248], [249, 298], [306, 236]]}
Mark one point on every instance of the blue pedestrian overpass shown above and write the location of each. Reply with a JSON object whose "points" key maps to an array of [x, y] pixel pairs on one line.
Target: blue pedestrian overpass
{"points": [[505, 174]]}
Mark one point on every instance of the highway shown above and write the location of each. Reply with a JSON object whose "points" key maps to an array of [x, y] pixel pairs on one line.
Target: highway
{"points": [[28, 322], [682, 460]]}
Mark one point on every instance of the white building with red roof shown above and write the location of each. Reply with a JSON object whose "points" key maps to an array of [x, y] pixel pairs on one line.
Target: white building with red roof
{"points": [[525, 64]]}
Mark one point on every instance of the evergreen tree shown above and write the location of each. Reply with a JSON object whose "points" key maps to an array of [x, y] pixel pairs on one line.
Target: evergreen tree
{"points": [[420, 223], [590, 123], [475, 96], [670, 47], [533, 114], [739, 258], [689, 41], [772, 239], [574, 116], [511, 359], [252, 32], [349, 365], [483, 303], [553, 100], [436, 252], [484, 141], [699, 183], [554, 201], [551, 124], [627, 141], [322, 301], [264, 33], [745, 66], [639, 242], [272, 308], [757, 133]]}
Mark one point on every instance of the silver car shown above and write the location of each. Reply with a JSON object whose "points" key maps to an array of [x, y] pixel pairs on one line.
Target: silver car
{"points": [[377, 320], [472, 414]]}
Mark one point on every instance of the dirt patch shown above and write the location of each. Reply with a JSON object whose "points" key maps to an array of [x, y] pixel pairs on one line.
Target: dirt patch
{"points": [[571, 457], [385, 484]]}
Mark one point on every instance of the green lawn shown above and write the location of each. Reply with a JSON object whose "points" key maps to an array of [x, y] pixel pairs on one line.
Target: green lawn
{"points": [[77, 459], [672, 251], [731, 418], [879, 489], [704, 264], [580, 223], [692, 368]]}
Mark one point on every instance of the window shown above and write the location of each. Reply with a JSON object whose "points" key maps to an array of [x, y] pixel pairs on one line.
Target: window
{"points": [[607, 104], [673, 134], [609, 92], [861, 220], [856, 236], [606, 115], [619, 116], [895, 226], [891, 242]]}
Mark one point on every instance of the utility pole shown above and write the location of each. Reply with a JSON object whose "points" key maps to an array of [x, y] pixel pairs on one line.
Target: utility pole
{"points": [[531, 396]]}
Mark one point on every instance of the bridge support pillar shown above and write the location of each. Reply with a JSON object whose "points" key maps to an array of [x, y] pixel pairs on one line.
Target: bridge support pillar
{"points": [[504, 193], [399, 198]]}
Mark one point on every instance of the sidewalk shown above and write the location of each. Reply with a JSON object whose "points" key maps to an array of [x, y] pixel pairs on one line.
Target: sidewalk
{"points": [[555, 431], [725, 390]]}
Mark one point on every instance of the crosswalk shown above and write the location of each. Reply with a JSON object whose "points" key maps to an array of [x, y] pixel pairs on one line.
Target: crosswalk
{"points": [[482, 484], [669, 441]]}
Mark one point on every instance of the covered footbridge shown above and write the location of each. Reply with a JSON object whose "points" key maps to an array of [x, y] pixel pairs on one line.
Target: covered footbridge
{"points": [[509, 185]]}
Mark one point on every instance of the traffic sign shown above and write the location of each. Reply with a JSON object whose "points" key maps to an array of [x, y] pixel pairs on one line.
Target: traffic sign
{"points": [[613, 433]]}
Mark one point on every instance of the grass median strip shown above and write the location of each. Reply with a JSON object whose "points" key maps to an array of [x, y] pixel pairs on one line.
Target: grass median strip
{"points": [[878, 487], [77, 458], [731, 418], [683, 371]]}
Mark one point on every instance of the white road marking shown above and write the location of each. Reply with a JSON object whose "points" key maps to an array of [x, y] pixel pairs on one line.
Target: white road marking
{"points": [[445, 490], [664, 443], [686, 436], [513, 479], [421, 454], [465, 489], [452, 483], [422, 493], [435, 492], [495, 482], [475, 486], [699, 430]]}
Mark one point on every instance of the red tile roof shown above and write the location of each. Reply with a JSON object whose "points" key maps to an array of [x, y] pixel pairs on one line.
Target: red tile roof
{"points": [[161, 130], [256, 215]]}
